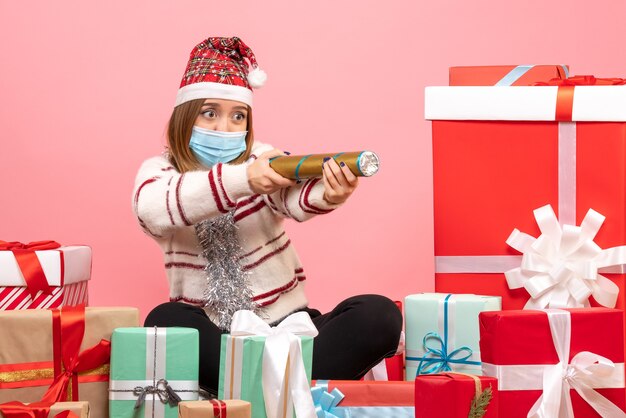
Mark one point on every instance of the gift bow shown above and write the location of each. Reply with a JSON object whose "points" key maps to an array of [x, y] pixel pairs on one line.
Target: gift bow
{"points": [[326, 403], [18, 409], [436, 360], [582, 80], [585, 369], [29, 264], [69, 328], [560, 268], [284, 375], [162, 389]]}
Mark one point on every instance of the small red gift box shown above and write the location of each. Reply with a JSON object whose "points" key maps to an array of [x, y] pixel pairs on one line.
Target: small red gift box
{"points": [[452, 395], [507, 75], [545, 359]]}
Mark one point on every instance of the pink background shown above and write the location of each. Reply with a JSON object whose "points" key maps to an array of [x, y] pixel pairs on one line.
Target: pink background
{"points": [[86, 89]]}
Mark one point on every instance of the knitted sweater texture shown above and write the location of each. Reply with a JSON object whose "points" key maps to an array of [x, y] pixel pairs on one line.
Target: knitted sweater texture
{"points": [[168, 205]]}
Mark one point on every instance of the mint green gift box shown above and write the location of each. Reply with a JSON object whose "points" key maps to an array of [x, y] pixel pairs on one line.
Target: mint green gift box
{"points": [[241, 365], [442, 332], [144, 361]]}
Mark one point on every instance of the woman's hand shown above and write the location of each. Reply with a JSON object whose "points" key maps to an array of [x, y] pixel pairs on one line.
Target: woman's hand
{"points": [[262, 178], [339, 182]]}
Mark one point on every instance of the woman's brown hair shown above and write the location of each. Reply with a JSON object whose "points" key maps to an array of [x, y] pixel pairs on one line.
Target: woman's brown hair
{"points": [[179, 131]]}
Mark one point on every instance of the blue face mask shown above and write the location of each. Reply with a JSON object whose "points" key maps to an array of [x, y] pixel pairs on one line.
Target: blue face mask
{"points": [[212, 147]]}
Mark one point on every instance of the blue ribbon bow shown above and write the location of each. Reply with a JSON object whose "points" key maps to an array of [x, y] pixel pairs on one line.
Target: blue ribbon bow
{"points": [[326, 403], [437, 360]]}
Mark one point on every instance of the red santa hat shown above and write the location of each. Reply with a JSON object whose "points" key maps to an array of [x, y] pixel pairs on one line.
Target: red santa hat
{"points": [[217, 70]]}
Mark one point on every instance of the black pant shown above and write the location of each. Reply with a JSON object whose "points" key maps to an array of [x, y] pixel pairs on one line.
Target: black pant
{"points": [[353, 337]]}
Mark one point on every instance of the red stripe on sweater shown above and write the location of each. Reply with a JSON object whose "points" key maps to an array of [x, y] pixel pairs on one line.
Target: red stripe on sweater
{"points": [[275, 239], [299, 270], [167, 168], [150, 180], [178, 203], [251, 252], [304, 193], [274, 206], [245, 201], [272, 292], [145, 228], [267, 256], [219, 180], [258, 248], [239, 216], [306, 198], [167, 200], [283, 196], [216, 195], [184, 265], [182, 253], [293, 284]]}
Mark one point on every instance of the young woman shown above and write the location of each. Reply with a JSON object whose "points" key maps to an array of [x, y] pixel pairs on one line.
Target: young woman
{"points": [[216, 208]]}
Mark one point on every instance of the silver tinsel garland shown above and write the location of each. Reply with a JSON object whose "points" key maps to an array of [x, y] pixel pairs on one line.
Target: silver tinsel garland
{"points": [[227, 289]]}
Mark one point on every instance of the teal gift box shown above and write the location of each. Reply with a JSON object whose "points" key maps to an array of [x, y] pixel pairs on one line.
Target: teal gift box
{"points": [[241, 365], [442, 332], [150, 369]]}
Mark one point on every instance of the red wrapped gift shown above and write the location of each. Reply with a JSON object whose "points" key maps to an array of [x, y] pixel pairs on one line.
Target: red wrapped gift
{"points": [[505, 75], [455, 395], [357, 398], [562, 362], [42, 275], [501, 152]]}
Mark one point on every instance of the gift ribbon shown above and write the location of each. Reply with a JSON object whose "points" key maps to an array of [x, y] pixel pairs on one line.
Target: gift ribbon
{"points": [[154, 388], [68, 329], [29, 264], [326, 403], [560, 268], [33, 410], [219, 408], [517, 72], [437, 359], [585, 373], [565, 93], [284, 377]]}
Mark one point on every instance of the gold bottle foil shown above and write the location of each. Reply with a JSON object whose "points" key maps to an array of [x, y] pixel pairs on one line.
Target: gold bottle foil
{"points": [[296, 167]]}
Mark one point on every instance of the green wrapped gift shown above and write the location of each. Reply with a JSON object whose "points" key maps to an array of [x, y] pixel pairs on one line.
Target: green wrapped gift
{"points": [[286, 352], [151, 370], [442, 332]]}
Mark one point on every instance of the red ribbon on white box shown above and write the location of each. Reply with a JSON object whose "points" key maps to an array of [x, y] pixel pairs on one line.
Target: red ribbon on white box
{"points": [[566, 285], [586, 372]]}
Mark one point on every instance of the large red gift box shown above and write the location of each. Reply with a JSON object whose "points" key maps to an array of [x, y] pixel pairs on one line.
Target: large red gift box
{"points": [[43, 274], [519, 347], [451, 395], [509, 75], [501, 152]]}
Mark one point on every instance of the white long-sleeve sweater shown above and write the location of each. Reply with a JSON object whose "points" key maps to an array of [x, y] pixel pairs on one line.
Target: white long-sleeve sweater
{"points": [[168, 205]]}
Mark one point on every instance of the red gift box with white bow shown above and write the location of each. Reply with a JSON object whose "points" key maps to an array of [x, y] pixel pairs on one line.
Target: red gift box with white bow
{"points": [[501, 152], [556, 362]]}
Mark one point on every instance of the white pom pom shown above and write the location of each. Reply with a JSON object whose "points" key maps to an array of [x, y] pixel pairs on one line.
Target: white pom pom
{"points": [[257, 78]]}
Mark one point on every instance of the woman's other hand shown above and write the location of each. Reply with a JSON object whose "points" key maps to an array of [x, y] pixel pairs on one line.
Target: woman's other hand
{"points": [[262, 178], [339, 182]]}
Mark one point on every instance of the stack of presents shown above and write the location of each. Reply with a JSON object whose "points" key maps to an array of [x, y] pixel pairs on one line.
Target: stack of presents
{"points": [[528, 321]]}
